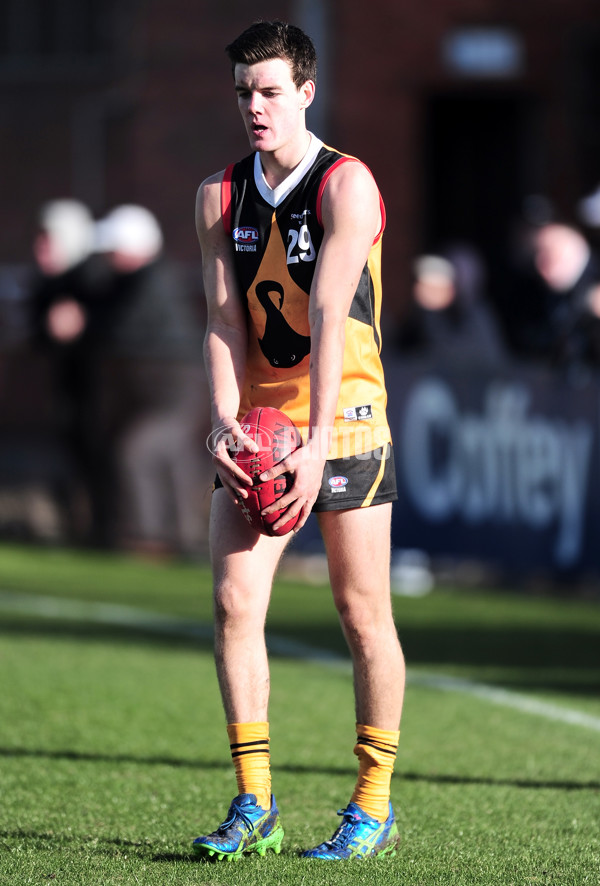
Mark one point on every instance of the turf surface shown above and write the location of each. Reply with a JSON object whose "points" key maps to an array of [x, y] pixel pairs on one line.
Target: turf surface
{"points": [[113, 754]]}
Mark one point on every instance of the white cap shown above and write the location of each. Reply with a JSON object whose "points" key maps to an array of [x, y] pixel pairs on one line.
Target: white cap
{"points": [[129, 229], [71, 225], [433, 266]]}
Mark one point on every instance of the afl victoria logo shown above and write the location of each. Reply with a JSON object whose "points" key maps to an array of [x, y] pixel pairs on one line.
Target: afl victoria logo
{"points": [[245, 235], [337, 482]]}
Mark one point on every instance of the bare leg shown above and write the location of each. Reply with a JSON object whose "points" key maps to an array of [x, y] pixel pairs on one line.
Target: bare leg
{"points": [[358, 552], [244, 564]]}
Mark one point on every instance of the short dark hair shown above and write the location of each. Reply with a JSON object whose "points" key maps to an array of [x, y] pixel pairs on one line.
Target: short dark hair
{"points": [[263, 41]]}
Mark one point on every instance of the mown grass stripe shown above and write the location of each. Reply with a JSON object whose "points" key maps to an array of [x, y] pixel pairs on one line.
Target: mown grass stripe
{"points": [[130, 616]]}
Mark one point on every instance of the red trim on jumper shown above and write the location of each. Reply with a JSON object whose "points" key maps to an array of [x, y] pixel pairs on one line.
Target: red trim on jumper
{"points": [[325, 179], [226, 198]]}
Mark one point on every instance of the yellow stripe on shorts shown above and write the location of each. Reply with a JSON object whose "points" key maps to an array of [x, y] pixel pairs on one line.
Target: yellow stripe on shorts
{"points": [[371, 493]]}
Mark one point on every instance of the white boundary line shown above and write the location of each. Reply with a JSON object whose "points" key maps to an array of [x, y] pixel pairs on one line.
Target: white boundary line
{"points": [[508, 699], [168, 625]]}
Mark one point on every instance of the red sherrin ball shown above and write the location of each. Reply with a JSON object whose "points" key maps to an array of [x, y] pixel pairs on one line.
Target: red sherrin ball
{"points": [[277, 436]]}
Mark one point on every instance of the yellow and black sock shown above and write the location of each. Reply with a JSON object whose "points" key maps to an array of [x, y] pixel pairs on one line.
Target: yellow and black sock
{"points": [[376, 751], [249, 743]]}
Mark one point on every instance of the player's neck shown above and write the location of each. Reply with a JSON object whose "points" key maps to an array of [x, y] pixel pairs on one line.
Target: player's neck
{"points": [[277, 165]]}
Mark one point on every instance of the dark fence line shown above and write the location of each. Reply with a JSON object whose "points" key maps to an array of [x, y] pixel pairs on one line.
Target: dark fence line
{"points": [[499, 465]]}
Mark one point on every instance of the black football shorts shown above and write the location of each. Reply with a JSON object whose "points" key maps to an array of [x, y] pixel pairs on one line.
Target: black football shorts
{"points": [[357, 481]]}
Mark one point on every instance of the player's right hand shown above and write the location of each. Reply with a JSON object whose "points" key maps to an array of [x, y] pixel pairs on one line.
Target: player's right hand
{"points": [[227, 438]]}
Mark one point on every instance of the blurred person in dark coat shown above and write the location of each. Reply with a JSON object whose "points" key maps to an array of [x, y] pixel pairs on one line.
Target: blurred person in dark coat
{"points": [[67, 294], [449, 319], [588, 213], [570, 271], [155, 385]]}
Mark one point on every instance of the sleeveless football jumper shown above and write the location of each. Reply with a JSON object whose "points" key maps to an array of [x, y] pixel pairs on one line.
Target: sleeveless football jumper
{"points": [[276, 235]]}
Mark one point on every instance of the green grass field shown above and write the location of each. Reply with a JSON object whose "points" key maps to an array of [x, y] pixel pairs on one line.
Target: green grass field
{"points": [[113, 754]]}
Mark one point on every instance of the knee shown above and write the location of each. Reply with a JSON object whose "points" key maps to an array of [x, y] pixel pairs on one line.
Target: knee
{"points": [[358, 623], [229, 600], [235, 603], [367, 621]]}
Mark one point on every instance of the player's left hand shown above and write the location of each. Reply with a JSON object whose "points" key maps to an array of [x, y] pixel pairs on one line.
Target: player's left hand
{"points": [[305, 465]]}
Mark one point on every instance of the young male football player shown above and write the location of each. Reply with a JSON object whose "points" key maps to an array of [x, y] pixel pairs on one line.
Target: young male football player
{"points": [[291, 242]]}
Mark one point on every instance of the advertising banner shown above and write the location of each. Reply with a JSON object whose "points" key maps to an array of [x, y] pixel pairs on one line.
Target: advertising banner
{"points": [[496, 465]]}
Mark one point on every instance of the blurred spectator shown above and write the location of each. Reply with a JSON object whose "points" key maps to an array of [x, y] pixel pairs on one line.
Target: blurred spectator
{"points": [[588, 209], [155, 388], [570, 271], [67, 291], [523, 302], [450, 318]]}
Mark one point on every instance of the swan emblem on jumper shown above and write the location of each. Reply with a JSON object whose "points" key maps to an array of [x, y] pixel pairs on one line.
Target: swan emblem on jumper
{"points": [[282, 346]]}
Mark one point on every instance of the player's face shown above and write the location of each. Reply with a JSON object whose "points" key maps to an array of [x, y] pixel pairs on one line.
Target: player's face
{"points": [[271, 105]]}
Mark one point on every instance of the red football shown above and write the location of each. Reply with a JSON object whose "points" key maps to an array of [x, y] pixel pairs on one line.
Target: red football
{"points": [[277, 437]]}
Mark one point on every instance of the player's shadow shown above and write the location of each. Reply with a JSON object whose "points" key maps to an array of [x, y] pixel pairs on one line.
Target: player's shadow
{"points": [[175, 856], [527, 783], [102, 845], [297, 769]]}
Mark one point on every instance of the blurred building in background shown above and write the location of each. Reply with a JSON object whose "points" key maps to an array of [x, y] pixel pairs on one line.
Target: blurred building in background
{"points": [[474, 115], [461, 108]]}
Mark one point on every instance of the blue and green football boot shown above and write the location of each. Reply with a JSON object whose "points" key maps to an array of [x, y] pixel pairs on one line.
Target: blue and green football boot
{"points": [[359, 836], [247, 828]]}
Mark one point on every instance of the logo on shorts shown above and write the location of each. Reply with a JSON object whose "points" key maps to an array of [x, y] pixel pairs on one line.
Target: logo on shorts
{"points": [[358, 413], [338, 484], [245, 239]]}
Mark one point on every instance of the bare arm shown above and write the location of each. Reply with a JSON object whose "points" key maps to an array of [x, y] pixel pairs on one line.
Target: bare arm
{"points": [[351, 221], [225, 341]]}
